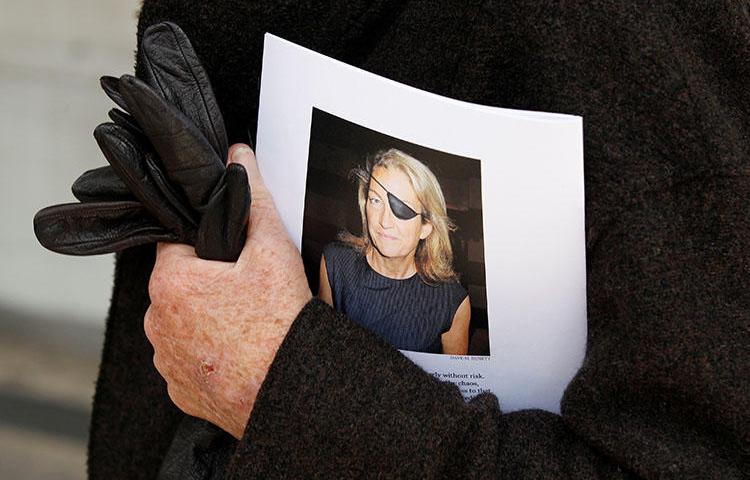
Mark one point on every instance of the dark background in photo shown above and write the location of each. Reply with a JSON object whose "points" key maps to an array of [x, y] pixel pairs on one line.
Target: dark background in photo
{"points": [[337, 147]]}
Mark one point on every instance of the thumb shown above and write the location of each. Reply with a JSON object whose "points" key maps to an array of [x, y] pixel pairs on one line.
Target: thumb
{"points": [[264, 218], [244, 155], [262, 202]]}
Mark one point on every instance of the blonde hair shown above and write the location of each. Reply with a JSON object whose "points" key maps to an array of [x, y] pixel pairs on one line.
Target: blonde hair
{"points": [[434, 255]]}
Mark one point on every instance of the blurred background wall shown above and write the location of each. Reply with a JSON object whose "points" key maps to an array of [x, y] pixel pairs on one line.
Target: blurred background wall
{"points": [[52, 307]]}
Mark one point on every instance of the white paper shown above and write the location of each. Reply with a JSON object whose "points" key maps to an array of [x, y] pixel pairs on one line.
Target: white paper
{"points": [[532, 208]]}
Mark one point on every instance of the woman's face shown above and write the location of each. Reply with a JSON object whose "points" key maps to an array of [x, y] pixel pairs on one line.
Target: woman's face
{"points": [[392, 236]]}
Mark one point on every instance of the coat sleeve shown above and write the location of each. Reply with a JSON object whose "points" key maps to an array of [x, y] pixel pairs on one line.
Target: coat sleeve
{"points": [[660, 394], [340, 403]]}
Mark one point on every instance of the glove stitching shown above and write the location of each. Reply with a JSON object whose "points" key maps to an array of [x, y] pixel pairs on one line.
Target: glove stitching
{"points": [[130, 234], [97, 209]]}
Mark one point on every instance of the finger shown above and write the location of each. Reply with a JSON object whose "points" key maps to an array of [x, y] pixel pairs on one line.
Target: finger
{"points": [[244, 155], [159, 366], [168, 253], [264, 222], [150, 324], [111, 87], [126, 153], [181, 400], [97, 227], [188, 158], [100, 185], [125, 120], [172, 195], [263, 214], [166, 362]]}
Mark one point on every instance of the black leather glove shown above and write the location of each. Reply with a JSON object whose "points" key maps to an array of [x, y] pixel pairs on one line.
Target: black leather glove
{"points": [[167, 180]]}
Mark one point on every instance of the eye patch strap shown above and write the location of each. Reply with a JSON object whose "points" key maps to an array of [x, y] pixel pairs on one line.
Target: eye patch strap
{"points": [[400, 209]]}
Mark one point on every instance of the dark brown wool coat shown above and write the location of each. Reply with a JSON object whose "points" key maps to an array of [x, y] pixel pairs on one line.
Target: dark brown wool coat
{"points": [[665, 388]]}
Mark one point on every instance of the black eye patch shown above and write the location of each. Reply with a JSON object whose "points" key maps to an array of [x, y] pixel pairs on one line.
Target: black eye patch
{"points": [[398, 207]]}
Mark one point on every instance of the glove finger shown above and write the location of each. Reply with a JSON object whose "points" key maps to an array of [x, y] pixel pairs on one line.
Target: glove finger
{"points": [[111, 86], [173, 69], [94, 228], [127, 156], [176, 200], [188, 160], [174, 197], [223, 228], [126, 121], [100, 184]]}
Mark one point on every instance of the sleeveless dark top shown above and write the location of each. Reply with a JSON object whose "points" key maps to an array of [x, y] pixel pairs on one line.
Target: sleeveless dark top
{"points": [[408, 313]]}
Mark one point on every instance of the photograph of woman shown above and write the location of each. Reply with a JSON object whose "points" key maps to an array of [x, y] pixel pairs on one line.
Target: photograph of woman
{"points": [[397, 278]]}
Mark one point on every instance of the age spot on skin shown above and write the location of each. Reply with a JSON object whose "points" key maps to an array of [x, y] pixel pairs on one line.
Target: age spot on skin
{"points": [[207, 368]]}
